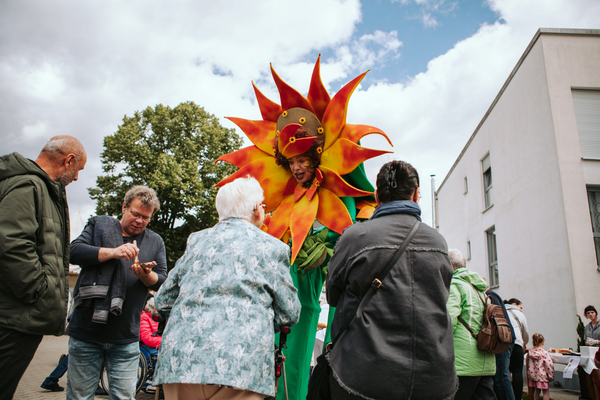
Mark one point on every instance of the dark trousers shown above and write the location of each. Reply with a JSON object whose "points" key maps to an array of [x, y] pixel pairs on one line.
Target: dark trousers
{"points": [[58, 372], [502, 383], [475, 388], [16, 352], [516, 369]]}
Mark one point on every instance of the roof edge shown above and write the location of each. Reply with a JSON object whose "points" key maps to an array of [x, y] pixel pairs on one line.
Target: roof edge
{"points": [[556, 31]]}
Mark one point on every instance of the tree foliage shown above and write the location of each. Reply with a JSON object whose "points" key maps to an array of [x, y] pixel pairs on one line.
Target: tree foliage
{"points": [[172, 151]]}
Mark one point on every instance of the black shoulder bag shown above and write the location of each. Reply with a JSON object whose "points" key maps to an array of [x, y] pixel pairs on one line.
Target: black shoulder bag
{"points": [[318, 383]]}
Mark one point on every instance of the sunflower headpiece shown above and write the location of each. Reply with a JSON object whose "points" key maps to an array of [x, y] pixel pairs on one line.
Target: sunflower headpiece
{"points": [[294, 206]]}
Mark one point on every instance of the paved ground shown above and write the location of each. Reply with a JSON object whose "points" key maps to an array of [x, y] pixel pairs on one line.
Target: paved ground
{"points": [[45, 360], [52, 347]]}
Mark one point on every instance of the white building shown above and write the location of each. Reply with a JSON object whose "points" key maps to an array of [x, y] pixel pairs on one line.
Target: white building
{"points": [[517, 200]]}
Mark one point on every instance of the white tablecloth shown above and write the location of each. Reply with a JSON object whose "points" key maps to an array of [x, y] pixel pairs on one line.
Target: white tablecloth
{"points": [[586, 360]]}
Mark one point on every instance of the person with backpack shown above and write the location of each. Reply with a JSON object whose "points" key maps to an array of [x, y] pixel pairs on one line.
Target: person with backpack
{"points": [[475, 368]]}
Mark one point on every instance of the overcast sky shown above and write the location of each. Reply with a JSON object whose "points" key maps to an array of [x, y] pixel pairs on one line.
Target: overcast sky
{"points": [[78, 67]]}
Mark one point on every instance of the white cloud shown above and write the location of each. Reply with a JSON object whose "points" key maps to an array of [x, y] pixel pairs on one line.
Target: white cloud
{"points": [[71, 67]]}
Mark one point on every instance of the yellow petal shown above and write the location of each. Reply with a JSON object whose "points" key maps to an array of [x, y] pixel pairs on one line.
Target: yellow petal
{"points": [[261, 133], [356, 132], [243, 156], [344, 156], [269, 110], [334, 182], [259, 169], [280, 221], [332, 212]]}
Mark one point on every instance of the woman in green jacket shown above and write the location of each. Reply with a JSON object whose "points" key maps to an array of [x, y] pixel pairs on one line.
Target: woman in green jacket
{"points": [[475, 369]]}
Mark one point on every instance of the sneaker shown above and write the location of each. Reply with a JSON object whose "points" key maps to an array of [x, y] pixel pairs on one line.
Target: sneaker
{"points": [[55, 387]]}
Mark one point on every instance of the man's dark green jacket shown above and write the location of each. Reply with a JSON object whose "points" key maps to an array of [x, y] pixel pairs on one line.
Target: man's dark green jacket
{"points": [[34, 248]]}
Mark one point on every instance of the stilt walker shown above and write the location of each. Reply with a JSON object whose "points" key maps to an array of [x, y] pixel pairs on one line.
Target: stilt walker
{"points": [[309, 163]]}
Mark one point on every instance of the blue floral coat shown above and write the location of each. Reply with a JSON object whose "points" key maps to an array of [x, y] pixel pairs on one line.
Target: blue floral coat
{"points": [[226, 295]]}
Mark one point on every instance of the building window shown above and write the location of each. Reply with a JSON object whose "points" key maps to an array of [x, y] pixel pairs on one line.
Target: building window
{"points": [[466, 185], [587, 114], [492, 256], [468, 249], [594, 202], [487, 181]]}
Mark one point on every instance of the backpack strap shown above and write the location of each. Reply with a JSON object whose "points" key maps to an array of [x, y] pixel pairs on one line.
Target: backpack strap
{"points": [[462, 321]]}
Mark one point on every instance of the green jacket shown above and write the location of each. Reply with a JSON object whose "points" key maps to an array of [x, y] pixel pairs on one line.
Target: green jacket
{"points": [[34, 248], [464, 301]]}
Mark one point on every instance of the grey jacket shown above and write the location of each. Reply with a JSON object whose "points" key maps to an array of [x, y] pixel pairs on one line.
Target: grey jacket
{"points": [[34, 248], [402, 347]]}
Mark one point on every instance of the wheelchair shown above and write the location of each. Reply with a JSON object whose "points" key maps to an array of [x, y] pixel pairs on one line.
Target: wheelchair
{"points": [[146, 368]]}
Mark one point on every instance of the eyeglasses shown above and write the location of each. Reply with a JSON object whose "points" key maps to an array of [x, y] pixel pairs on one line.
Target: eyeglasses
{"points": [[264, 206], [135, 215]]}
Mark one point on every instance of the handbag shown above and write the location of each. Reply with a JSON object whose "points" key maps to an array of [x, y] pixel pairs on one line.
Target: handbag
{"points": [[318, 383]]}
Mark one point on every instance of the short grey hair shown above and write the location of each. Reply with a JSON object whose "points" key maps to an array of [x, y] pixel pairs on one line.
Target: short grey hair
{"points": [[238, 199], [59, 146], [456, 259], [147, 196]]}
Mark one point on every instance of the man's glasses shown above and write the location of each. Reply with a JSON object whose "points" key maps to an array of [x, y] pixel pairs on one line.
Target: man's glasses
{"points": [[135, 215]]}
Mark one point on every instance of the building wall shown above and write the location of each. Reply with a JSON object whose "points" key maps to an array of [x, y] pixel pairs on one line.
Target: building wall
{"points": [[545, 245]]}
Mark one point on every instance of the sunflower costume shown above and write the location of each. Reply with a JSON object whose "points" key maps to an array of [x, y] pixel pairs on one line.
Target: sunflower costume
{"points": [[337, 194]]}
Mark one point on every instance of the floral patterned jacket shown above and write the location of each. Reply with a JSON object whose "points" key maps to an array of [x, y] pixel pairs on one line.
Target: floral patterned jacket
{"points": [[540, 367], [226, 297]]}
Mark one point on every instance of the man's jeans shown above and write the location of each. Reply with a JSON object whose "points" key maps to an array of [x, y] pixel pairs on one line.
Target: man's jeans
{"points": [[85, 361], [502, 384]]}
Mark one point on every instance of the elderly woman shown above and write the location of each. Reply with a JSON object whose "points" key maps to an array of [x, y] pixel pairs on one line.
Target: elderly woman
{"points": [[401, 346], [226, 297]]}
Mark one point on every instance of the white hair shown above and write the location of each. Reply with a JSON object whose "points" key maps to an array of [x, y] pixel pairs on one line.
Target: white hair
{"points": [[239, 198], [456, 259]]}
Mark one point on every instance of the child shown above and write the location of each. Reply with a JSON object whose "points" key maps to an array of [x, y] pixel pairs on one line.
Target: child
{"points": [[540, 368]]}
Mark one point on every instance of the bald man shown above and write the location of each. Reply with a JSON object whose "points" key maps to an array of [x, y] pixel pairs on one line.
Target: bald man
{"points": [[34, 252]]}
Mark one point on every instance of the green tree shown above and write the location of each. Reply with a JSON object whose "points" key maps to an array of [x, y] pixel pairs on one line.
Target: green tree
{"points": [[172, 151]]}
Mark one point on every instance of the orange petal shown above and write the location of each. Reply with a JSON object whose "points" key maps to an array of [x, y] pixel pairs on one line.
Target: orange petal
{"points": [[243, 156], [356, 132], [332, 212], [334, 117], [269, 110], [261, 133], [365, 212], [265, 225], [364, 203], [280, 221], [317, 94], [274, 187], [334, 182], [259, 169], [290, 97], [344, 156], [301, 220]]}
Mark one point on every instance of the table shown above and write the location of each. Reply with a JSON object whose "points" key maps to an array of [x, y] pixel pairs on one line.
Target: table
{"points": [[589, 378]]}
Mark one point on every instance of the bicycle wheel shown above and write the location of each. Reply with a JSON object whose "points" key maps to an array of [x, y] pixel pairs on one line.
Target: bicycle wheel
{"points": [[141, 375]]}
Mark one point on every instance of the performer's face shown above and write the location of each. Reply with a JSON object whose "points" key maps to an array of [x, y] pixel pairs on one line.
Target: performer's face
{"points": [[301, 168]]}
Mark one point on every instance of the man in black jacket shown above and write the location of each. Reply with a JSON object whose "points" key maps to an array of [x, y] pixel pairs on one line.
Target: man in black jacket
{"points": [[110, 295], [34, 252]]}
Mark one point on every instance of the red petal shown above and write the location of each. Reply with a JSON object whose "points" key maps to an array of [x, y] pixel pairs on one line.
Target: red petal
{"points": [[317, 94], [280, 221], [299, 192], [261, 133], [274, 188], [243, 156], [332, 211], [334, 182], [315, 185], [344, 156], [269, 110], [259, 169], [290, 97], [334, 117], [291, 186], [356, 132], [301, 220]]}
